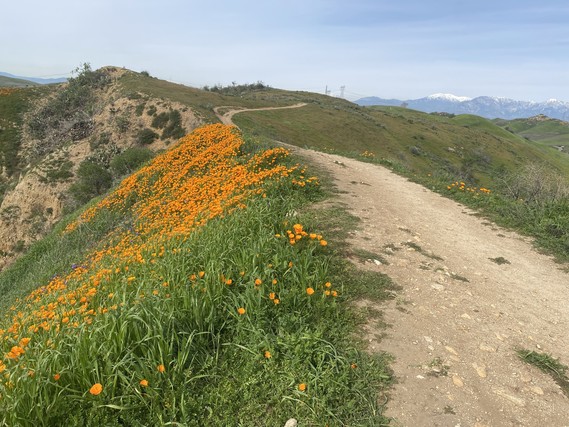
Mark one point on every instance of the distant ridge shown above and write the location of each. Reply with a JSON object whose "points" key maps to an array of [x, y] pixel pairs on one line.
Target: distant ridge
{"points": [[37, 80], [485, 106], [13, 82]]}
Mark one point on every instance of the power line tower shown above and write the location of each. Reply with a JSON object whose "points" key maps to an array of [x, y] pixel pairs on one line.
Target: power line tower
{"points": [[342, 88], [326, 92]]}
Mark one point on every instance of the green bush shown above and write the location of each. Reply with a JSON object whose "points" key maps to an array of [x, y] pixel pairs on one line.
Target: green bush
{"points": [[129, 160], [93, 181], [160, 121], [146, 136]]}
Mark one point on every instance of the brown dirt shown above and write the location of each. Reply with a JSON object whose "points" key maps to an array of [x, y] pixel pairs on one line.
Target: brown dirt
{"points": [[455, 325]]}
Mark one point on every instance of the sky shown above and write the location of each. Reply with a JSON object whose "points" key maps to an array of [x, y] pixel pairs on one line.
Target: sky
{"points": [[403, 49]]}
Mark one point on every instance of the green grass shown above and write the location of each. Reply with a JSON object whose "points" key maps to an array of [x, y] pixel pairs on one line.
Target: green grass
{"points": [[217, 369], [544, 130], [549, 365], [411, 142]]}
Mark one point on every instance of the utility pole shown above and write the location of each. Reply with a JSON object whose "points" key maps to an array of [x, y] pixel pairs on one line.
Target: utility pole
{"points": [[342, 91], [326, 92]]}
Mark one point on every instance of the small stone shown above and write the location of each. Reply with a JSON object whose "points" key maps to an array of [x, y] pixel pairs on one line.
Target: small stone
{"points": [[457, 381], [537, 390], [480, 370], [480, 425], [291, 423], [466, 316], [455, 358], [513, 399], [437, 287], [525, 377], [428, 339], [451, 350], [430, 347], [377, 262], [499, 336], [487, 348], [420, 377]]}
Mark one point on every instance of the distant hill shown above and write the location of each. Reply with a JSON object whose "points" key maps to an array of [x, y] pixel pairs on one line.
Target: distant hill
{"points": [[484, 106], [13, 82], [36, 80]]}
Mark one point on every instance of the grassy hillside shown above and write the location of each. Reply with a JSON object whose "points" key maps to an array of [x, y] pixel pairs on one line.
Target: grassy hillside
{"points": [[541, 129], [461, 147], [199, 297], [12, 82]]}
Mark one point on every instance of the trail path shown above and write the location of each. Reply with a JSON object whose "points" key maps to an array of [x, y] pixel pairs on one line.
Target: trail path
{"points": [[459, 317], [227, 117]]}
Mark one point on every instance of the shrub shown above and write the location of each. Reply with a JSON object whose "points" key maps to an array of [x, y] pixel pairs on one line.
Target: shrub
{"points": [[146, 136], [160, 121], [93, 181], [129, 160]]}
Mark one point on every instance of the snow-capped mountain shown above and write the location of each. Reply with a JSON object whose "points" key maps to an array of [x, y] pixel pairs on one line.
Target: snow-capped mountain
{"points": [[484, 106]]}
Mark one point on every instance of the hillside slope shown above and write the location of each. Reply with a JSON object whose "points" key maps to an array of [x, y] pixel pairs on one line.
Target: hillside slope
{"points": [[14, 82], [125, 110]]}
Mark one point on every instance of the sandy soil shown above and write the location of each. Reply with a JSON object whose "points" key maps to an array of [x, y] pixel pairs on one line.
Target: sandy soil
{"points": [[459, 317]]}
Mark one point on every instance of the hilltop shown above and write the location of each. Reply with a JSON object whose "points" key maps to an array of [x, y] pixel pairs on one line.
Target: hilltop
{"points": [[101, 116]]}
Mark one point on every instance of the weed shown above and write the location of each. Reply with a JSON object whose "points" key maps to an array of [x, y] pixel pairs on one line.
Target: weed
{"points": [[549, 365], [366, 255], [500, 260], [438, 368], [459, 278]]}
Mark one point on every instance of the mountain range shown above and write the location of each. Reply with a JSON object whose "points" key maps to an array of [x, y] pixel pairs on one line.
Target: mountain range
{"points": [[484, 106], [38, 80]]}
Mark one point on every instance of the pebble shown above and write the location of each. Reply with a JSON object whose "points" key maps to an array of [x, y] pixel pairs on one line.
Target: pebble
{"points": [[513, 399], [480, 370], [291, 423], [487, 348], [377, 262], [437, 287], [457, 381], [537, 390], [451, 350], [428, 339], [466, 316], [420, 377]]}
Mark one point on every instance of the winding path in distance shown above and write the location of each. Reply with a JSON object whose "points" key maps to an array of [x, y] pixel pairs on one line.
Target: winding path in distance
{"points": [[227, 117]]}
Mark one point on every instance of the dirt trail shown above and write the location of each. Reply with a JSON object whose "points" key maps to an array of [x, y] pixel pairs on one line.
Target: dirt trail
{"points": [[227, 117], [459, 317]]}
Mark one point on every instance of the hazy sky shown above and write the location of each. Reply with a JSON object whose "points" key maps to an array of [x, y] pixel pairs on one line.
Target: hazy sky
{"points": [[389, 48]]}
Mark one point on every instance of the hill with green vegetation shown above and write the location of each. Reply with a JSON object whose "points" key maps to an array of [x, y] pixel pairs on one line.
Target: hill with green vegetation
{"points": [[187, 279], [542, 129], [12, 82]]}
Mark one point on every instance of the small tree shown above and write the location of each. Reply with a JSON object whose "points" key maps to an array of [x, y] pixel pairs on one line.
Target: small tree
{"points": [[93, 181], [129, 160]]}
